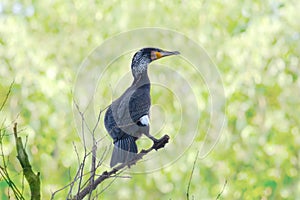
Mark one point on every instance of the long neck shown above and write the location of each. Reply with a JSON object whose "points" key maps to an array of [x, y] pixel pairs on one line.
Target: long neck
{"points": [[139, 68], [141, 80]]}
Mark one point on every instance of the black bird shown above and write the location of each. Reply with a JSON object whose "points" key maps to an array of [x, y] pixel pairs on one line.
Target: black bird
{"points": [[127, 118]]}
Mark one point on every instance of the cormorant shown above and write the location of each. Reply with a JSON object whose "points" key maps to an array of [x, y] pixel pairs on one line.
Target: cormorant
{"points": [[127, 118]]}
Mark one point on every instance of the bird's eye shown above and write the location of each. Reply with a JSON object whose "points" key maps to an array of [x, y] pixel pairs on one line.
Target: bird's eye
{"points": [[153, 55]]}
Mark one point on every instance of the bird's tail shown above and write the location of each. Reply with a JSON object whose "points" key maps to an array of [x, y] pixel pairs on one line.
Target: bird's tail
{"points": [[125, 150]]}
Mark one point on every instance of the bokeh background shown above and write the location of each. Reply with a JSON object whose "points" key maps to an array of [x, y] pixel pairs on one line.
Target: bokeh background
{"points": [[254, 44]]}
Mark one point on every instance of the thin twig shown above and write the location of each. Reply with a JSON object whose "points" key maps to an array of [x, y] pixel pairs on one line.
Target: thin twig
{"points": [[191, 176], [75, 149], [84, 144], [219, 195], [108, 185], [93, 166], [69, 184], [98, 119], [94, 152], [72, 183], [11, 184], [102, 157], [7, 95], [4, 173]]}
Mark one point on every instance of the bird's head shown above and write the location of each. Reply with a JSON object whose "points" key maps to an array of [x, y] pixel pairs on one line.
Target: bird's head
{"points": [[143, 57]]}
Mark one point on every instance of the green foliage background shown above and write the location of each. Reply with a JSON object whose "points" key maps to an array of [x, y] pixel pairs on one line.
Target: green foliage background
{"points": [[255, 45]]}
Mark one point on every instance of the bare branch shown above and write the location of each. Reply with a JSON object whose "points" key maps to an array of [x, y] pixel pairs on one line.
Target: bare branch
{"points": [[32, 178], [105, 175], [7, 95], [93, 165], [98, 119], [94, 151], [85, 189], [81, 167], [191, 176], [219, 195], [71, 184], [75, 149]]}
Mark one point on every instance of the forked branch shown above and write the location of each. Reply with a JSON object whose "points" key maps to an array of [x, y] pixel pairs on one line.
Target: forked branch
{"points": [[108, 174]]}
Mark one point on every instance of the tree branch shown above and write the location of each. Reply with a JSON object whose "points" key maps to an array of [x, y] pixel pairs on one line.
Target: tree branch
{"points": [[32, 178], [105, 175]]}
